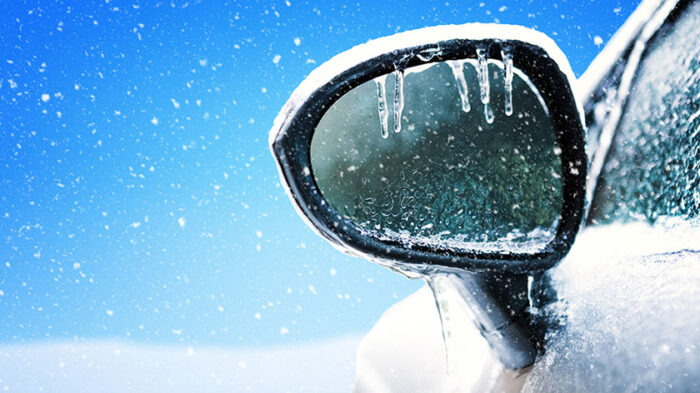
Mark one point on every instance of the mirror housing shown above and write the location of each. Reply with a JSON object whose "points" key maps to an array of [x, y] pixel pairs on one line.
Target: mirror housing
{"points": [[533, 53]]}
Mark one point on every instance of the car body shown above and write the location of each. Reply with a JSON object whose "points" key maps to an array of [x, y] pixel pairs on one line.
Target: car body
{"points": [[626, 317]]}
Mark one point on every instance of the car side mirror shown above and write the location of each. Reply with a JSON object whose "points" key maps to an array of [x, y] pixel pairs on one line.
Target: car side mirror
{"points": [[451, 149]]}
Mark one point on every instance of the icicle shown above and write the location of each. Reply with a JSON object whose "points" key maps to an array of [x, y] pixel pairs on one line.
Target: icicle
{"points": [[437, 282], [482, 72], [427, 54], [458, 71], [381, 105], [508, 80], [398, 100]]}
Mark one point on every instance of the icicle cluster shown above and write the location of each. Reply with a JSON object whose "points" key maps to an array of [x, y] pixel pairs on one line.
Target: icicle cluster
{"points": [[457, 67]]}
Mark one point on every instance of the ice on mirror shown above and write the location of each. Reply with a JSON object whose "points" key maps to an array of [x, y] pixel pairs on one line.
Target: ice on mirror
{"points": [[394, 185], [482, 71], [481, 66], [382, 105], [515, 241], [508, 81], [438, 286], [428, 54], [398, 99], [457, 67]]}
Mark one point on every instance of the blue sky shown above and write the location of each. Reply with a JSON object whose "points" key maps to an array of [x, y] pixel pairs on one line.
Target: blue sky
{"points": [[138, 197]]}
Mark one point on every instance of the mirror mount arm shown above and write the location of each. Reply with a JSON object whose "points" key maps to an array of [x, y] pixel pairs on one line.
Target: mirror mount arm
{"points": [[501, 306]]}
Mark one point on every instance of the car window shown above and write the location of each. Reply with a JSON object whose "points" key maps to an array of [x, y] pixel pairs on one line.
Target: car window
{"points": [[653, 168]]}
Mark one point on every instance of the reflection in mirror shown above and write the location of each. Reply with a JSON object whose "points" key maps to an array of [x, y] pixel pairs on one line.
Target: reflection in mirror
{"points": [[458, 154]]}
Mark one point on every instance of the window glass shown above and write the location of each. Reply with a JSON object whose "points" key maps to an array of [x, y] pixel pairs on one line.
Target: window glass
{"points": [[653, 169]]}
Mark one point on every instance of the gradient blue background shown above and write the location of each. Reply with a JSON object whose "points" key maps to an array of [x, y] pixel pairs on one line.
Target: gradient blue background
{"points": [[122, 121]]}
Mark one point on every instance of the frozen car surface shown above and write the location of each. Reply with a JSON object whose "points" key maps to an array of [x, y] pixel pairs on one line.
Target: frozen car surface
{"points": [[627, 313], [633, 317]]}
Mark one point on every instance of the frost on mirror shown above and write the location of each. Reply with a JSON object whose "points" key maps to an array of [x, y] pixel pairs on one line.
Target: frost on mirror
{"points": [[457, 154]]}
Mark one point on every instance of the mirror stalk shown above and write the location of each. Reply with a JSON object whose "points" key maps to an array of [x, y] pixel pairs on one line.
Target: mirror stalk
{"points": [[501, 306], [456, 188]]}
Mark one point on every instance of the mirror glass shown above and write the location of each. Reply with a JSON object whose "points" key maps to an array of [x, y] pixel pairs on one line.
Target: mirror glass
{"points": [[458, 154]]}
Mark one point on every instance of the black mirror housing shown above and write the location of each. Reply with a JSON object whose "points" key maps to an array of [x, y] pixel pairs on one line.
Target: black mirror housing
{"points": [[532, 52]]}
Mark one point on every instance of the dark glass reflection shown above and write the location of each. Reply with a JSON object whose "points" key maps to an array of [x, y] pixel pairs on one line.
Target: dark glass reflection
{"points": [[449, 177]]}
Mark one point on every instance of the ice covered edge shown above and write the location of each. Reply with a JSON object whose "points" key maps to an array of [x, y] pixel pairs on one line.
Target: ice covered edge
{"points": [[373, 48], [620, 41], [425, 36]]}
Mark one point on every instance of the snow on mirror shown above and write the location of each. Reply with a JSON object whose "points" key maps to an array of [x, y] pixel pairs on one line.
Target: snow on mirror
{"points": [[459, 154]]}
